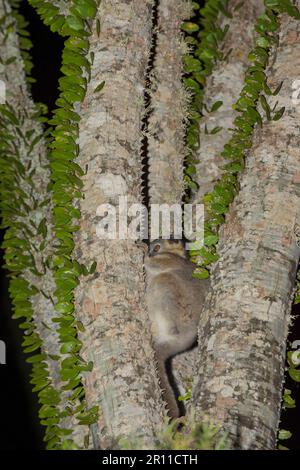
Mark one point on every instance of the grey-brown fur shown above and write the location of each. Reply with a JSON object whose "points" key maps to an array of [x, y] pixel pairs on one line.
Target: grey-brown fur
{"points": [[174, 301]]}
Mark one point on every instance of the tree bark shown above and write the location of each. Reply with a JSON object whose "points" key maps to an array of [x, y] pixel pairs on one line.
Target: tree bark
{"points": [[244, 325], [110, 304], [219, 87], [224, 84], [168, 116]]}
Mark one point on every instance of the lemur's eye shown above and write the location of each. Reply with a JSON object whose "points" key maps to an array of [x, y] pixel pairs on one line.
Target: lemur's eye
{"points": [[156, 248]]}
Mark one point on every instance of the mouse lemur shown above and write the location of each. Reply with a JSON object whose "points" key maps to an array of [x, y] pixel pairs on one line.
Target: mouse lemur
{"points": [[174, 301]]}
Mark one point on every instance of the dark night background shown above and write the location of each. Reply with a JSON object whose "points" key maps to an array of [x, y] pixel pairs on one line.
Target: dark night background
{"points": [[19, 408]]}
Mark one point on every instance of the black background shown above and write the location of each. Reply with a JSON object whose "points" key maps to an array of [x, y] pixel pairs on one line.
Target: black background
{"points": [[20, 429]]}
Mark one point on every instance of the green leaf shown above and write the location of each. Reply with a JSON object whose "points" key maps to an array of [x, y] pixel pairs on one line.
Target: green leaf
{"points": [[192, 84], [72, 384], [93, 267], [57, 23], [67, 114], [288, 401], [201, 273], [195, 6], [215, 130], [294, 374], [211, 240], [64, 307], [216, 106], [272, 3], [263, 41], [98, 27], [85, 8], [47, 411], [277, 90], [80, 326], [189, 27], [77, 43], [70, 346], [284, 434], [72, 57], [208, 53], [258, 75], [265, 106], [71, 70], [191, 40], [10, 60], [267, 89], [75, 23], [67, 374], [42, 228], [191, 64], [254, 115], [235, 167], [99, 87], [258, 54], [224, 10], [190, 170], [278, 115], [36, 358], [34, 347], [13, 119], [67, 284]]}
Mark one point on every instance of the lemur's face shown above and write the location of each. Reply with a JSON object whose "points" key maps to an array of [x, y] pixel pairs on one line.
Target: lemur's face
{"points": [[167, 246]]}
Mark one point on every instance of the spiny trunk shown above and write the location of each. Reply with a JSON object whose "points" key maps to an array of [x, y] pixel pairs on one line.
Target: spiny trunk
{"points": [[110, 303], [244, 325], [224, 84], [168, 106]]}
